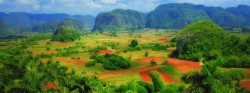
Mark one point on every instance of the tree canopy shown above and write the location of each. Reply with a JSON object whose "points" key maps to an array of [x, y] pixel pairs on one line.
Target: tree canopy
{"points": [[65, 34]]}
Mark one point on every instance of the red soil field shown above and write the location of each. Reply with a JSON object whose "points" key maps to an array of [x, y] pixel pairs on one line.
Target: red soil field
{"points": [[50, 85], [247, 72], [184, 65], [245, 84], [127, 71], [105, 52], [79, 62], [145, 76], [53, 42], [65, 43], [163, 39], [167, 78], [36, 52], [148, 59], [172, 48]]}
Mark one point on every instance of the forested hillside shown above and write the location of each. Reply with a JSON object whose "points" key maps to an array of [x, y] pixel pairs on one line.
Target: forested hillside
{"points": [[119, 19], [24, 22]]}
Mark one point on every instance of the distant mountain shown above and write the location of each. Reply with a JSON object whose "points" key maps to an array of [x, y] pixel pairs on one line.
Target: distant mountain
{"points": [[179, 15], [175, 15], [119, 19], [50, 26], [5, 29], [27, 21]]}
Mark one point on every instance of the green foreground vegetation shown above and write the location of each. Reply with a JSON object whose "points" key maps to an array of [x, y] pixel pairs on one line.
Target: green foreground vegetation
{"points": [[77, 64]]}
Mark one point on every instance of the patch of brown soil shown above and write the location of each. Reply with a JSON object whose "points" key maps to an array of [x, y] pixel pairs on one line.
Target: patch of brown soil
{"points": [[127, 71], [50, 85], [184, 65], [164, 39], [79, 62], [172, 48], [105, 52], [145, 76], [245, 84], [247, 72], [65, 43], [148, 59], [107, 34], [36, 52]]}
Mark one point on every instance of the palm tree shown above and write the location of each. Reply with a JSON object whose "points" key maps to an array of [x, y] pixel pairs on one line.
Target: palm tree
{"points": [[210, 79]]}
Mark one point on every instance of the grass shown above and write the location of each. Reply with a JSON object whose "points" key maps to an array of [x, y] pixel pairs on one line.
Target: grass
{"points": [[242, 35], [122, 79], [172, 71]]}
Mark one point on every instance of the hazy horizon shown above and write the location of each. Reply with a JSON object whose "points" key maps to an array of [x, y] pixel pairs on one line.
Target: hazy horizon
{"points": [[93, 7]]}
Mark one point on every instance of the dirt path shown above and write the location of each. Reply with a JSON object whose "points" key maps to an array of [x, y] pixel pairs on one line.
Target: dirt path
{"points": [[127, 71]]}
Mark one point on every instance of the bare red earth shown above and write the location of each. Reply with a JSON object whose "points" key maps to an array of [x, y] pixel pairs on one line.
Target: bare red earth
{"points": [[184, 65], [36, 52], [79, 62], [148, 59], [105, 52], [172, 48], [127, 71], [245, 84], [163, 39], [165, 77], [50, 85], [247, 72], [145, 76]]}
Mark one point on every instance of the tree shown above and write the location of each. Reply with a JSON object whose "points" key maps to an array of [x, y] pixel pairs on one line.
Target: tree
{"points": [[153, 63], [146, 54], [65, 34], [133, 43], [157, 82], [212, 80], [245, 30]]}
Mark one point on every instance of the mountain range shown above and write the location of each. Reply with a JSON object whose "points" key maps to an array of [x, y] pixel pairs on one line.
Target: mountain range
{"points": [[166, 16]]}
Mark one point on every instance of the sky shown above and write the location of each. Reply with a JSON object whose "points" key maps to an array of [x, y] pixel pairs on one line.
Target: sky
{"points": [[93, 7]]}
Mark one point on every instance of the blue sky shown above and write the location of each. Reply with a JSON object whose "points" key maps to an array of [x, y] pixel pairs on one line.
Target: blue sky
{"points": [[93, 7]]}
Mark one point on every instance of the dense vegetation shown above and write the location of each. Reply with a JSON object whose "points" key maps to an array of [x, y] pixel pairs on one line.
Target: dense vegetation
{"points": [[212, 80], [179, 15], [50, 26], [119, 19], [65, 34], [206, 40], [112, 61], [24, 22]]}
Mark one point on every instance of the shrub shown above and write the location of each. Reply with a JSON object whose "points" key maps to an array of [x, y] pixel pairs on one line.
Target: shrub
{"points": [[89, 64], [153, 63], [112, 61], [133, 43], [157, 82], [146, 54]]}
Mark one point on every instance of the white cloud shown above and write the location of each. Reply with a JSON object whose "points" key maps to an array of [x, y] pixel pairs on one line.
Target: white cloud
{"points": [[94, 5], [108, 1]]}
